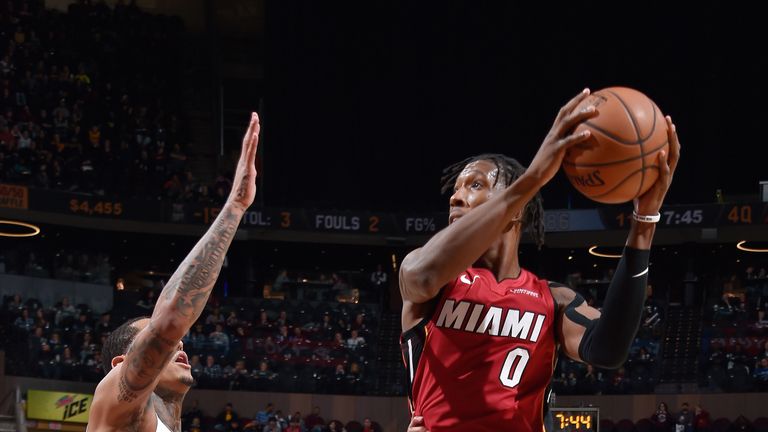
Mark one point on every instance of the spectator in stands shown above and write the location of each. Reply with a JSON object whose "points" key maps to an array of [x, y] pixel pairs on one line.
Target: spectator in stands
{"points": [[263, 322], [335, 426], [93, 371], [237, 342], [355, 341], [197, 340], [282, 421], [379, 278], [196, 366], [294, 426], [338, 342], [296, 341], [282, 278], [69, 364], [82, 324], [282, 318], [194, 426], [237, 375], [87, 346], [619, 382], [354, 376], [215, 317], [41, 320], [262, 417], [64, 311], [327, 326], [592, 381], [270, 347], [194, 412], [148, 301], [282, 337], [297, 418], [212, 372], [15, 304], [339, 284], [24, 322], [684, 420], [661, 419], [227, 416], [359, 324], [35, 344], [272, 425], [105, 324], [761, 375], [263, 375], [219, 340], [314, 422], [701, 420], [232, 321], [370, 426]]}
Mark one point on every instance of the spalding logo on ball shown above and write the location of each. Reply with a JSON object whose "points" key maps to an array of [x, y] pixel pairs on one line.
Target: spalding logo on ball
{"points": [[620, 161]]}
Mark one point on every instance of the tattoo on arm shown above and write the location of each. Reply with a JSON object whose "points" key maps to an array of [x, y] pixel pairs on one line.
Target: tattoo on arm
{"points": [[144, 362], [125, 394], [193, 282], [243, 187]]}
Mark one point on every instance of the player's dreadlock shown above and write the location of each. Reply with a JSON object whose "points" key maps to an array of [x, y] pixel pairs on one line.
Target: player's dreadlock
{"points": [[509, 170]]}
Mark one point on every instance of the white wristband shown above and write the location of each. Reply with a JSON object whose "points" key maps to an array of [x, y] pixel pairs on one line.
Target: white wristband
{"points": [[646, 218]]}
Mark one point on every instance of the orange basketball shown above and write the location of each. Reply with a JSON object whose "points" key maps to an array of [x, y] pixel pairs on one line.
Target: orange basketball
{"points": [[619, 161]]}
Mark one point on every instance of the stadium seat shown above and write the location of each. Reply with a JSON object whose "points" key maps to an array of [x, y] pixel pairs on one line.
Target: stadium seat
{"points": [[760, 424], [625, 425], [607, 425], [721, 425], [354, 426], [644, 425]]}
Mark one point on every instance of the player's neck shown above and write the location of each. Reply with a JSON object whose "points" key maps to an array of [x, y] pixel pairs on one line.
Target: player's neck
{"points": [[168, 405], [501, 259]]}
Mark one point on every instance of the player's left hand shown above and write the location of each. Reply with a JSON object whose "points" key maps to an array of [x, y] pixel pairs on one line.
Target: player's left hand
{"points": [[650, 202], [244, 184], [417, 425]]}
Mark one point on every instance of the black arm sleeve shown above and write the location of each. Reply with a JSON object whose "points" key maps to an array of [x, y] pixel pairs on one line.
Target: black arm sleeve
{"points": [[607, 340]]}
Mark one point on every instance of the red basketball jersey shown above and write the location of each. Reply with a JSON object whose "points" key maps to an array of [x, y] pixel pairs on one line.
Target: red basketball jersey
{"points": [[485, 358]]}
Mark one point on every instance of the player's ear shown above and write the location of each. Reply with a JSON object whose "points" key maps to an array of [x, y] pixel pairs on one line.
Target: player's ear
{"points": [[117, 360]]}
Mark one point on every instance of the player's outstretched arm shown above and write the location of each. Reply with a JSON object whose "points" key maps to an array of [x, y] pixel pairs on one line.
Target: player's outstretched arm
{"points": [[603, 338], [184, 296], [425, 271]]}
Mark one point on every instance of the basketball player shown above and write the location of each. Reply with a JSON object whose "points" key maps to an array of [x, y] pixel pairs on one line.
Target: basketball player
{"points": [[481, 334], [148, 372]]}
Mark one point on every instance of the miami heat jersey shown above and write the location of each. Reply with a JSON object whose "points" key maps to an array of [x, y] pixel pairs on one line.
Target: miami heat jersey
{"points": [[484, 360]]}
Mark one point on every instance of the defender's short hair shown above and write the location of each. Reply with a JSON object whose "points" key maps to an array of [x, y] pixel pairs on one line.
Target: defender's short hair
{"points": [[118, 342]]}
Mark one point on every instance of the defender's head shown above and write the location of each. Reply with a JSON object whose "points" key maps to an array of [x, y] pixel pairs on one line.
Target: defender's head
{"points": [[176, 376]]}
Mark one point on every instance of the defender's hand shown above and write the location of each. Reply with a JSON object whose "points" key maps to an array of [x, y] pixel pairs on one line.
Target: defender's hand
{"points": [[244, 184]]}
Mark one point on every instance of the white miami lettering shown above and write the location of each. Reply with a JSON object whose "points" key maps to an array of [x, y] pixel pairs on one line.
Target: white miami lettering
{"points": [[452, 317], [493, 321]]}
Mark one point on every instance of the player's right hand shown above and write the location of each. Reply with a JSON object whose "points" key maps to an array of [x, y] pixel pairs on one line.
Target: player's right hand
{"points": [[417, 425], [244, 184], [561, 137]]}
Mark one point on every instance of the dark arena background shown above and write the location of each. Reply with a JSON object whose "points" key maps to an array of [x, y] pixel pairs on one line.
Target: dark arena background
{"points": [[121, 122]]}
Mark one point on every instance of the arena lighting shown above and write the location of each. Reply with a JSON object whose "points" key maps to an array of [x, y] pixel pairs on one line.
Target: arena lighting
{"points": [[35, 229], [740, 246], [592, 251]]}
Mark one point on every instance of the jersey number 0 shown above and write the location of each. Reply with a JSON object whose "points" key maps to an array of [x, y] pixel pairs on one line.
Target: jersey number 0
{"points": [[514, 366]]}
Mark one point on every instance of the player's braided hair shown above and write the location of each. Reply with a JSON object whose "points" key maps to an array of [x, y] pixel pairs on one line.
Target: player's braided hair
{"points": [[509, 170]]}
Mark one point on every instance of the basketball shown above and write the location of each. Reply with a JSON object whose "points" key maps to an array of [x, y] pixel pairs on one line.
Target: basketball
{"points": [[619, 161]]}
